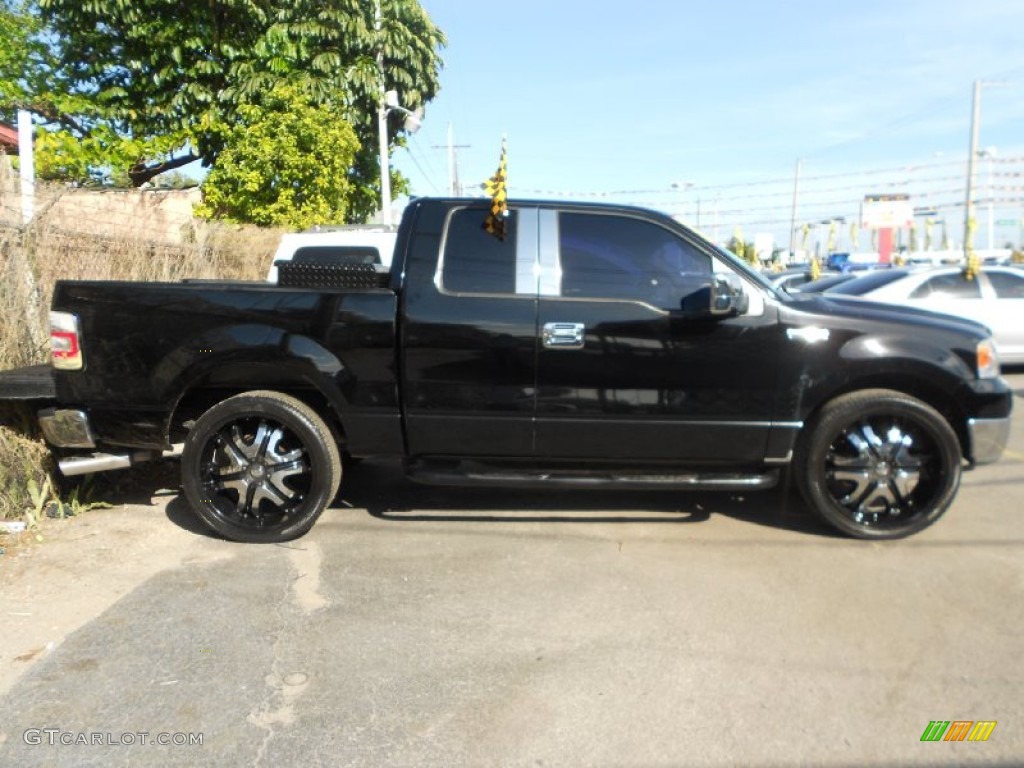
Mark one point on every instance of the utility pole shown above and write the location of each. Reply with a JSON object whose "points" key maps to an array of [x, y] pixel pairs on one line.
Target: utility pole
{"points": [[792, 219], [972, 157], [972, 154], [454, 188]]}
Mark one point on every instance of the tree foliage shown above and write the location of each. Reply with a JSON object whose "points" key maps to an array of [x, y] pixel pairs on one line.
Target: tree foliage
{"points": [[285, 163], [82, 142], [168, 77]]}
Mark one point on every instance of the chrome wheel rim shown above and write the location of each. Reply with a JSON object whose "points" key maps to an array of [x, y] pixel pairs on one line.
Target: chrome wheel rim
{"points": [[255, 472], [883, 472]]}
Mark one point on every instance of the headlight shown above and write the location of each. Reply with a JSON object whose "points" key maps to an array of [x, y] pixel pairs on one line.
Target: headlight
{"points": [[988, 360]]}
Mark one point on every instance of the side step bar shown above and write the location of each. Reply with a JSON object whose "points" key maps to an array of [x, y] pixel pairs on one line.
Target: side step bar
{"points": [[105, 462], [473, 474]]}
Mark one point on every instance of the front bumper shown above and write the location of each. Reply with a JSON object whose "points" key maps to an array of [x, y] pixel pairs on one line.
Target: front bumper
{"points": [[988, 439]]}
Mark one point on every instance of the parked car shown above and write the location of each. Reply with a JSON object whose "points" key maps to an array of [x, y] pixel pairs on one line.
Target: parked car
{"points": [[789, 279], [994, 297], [579, 346], [823, 283]]}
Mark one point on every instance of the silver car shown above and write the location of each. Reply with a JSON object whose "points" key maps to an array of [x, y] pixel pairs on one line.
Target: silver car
{"points": [[995, 297]]}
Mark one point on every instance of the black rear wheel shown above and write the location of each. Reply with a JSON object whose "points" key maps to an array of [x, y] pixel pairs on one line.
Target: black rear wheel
{"points": [[260, 467], [879, 464]]}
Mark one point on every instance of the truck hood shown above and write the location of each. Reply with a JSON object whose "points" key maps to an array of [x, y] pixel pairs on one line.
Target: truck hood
{"points": [[855, 308]]}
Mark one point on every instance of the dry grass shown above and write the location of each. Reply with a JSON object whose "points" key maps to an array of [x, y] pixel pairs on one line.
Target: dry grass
{"points": [[32, 259]]}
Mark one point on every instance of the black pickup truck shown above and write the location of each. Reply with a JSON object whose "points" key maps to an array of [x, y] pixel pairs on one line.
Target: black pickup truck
{"points": [[575, 346]]}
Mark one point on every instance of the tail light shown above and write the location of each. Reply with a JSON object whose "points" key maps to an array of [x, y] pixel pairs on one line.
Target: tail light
{"points": [[65, 349]]}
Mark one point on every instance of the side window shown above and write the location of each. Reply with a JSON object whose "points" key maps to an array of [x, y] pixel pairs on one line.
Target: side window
{"points": [[618, 257], [953, 286], [1007, 285], [476, 261]]}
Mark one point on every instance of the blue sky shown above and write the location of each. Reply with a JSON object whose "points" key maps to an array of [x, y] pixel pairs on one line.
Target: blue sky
{"points": [[597, 98]]}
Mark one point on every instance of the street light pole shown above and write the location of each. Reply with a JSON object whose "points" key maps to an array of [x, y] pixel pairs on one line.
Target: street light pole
{"points": [[385, 169], [382, 125]]}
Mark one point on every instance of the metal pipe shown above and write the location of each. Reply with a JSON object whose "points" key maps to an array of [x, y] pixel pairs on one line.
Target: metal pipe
{"points": [[97, 462], [106, 462]]}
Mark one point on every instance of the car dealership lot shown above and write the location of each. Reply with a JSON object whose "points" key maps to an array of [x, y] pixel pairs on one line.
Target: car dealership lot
{"points": [[435, 626]]}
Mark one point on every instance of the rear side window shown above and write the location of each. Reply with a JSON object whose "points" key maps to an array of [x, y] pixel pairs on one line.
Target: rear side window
{"points": [[1007, 285], [952, 286], [619, 257], [475, 261]]}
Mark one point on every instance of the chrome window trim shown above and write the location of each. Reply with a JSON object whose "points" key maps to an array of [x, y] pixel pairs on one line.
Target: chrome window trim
{"points": [[549, 254], [527, 244]]}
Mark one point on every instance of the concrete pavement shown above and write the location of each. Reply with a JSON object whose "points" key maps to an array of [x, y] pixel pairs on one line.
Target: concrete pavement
{"points": [[455, 627]]}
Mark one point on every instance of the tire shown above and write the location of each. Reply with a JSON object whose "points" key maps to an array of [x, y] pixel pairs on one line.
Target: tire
{"points": [[879, 464], [260, 467]]}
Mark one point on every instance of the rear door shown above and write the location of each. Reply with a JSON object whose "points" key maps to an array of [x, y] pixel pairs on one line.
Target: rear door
{"points": [[621, 373], [469, 338]]}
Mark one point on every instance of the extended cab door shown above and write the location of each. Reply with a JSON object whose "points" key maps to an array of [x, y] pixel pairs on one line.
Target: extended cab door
{"points": [[622, 373], [469, 334]]}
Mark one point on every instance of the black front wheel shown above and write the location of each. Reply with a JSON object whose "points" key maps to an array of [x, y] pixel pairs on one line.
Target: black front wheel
{"points": [[260, 467], [879, 464]]}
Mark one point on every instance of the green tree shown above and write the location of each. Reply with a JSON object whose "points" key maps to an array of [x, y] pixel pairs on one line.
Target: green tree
{"points": [[285, 163], [82, 143], [170, 76]]}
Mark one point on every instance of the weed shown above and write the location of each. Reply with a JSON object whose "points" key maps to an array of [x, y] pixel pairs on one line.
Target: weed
{"points": [[87, 244]]}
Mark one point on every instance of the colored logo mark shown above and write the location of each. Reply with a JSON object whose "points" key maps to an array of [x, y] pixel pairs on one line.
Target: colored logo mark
{"points": [[958, 730]]}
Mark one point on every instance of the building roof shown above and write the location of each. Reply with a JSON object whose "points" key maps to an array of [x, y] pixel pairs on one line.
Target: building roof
{"points": [[8, 139]]}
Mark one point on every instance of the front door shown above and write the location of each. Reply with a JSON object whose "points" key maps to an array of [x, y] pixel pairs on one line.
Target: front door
{"points": [[622, 373]]}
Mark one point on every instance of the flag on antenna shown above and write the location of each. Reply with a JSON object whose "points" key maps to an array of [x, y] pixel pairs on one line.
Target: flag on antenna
{"points": [[497, 188]]}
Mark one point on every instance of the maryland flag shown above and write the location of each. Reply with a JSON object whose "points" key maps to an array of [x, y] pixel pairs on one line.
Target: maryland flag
{"points": [[497, 188]]}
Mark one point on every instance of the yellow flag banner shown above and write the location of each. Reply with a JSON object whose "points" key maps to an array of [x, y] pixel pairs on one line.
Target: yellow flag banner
{"points": [[973, 262], [497, 188]]}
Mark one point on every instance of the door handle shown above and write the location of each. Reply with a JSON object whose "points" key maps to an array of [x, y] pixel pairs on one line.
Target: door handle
{"points": [[563, 335]]}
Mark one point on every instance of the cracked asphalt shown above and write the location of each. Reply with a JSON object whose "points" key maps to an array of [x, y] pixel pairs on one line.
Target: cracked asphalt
{"points": [[418, 626]]}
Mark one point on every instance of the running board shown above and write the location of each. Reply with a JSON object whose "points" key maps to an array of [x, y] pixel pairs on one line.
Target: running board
{"points": [[477, 475]]}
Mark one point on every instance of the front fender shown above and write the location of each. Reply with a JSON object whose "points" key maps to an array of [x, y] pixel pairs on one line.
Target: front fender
{"points": [[922, 366]]}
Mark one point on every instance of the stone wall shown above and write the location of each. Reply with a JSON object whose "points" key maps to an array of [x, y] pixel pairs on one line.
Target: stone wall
{"points": [[152, 215]]}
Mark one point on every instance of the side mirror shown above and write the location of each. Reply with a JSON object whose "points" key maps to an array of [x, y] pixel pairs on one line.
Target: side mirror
{"points": [[721, 296]]}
